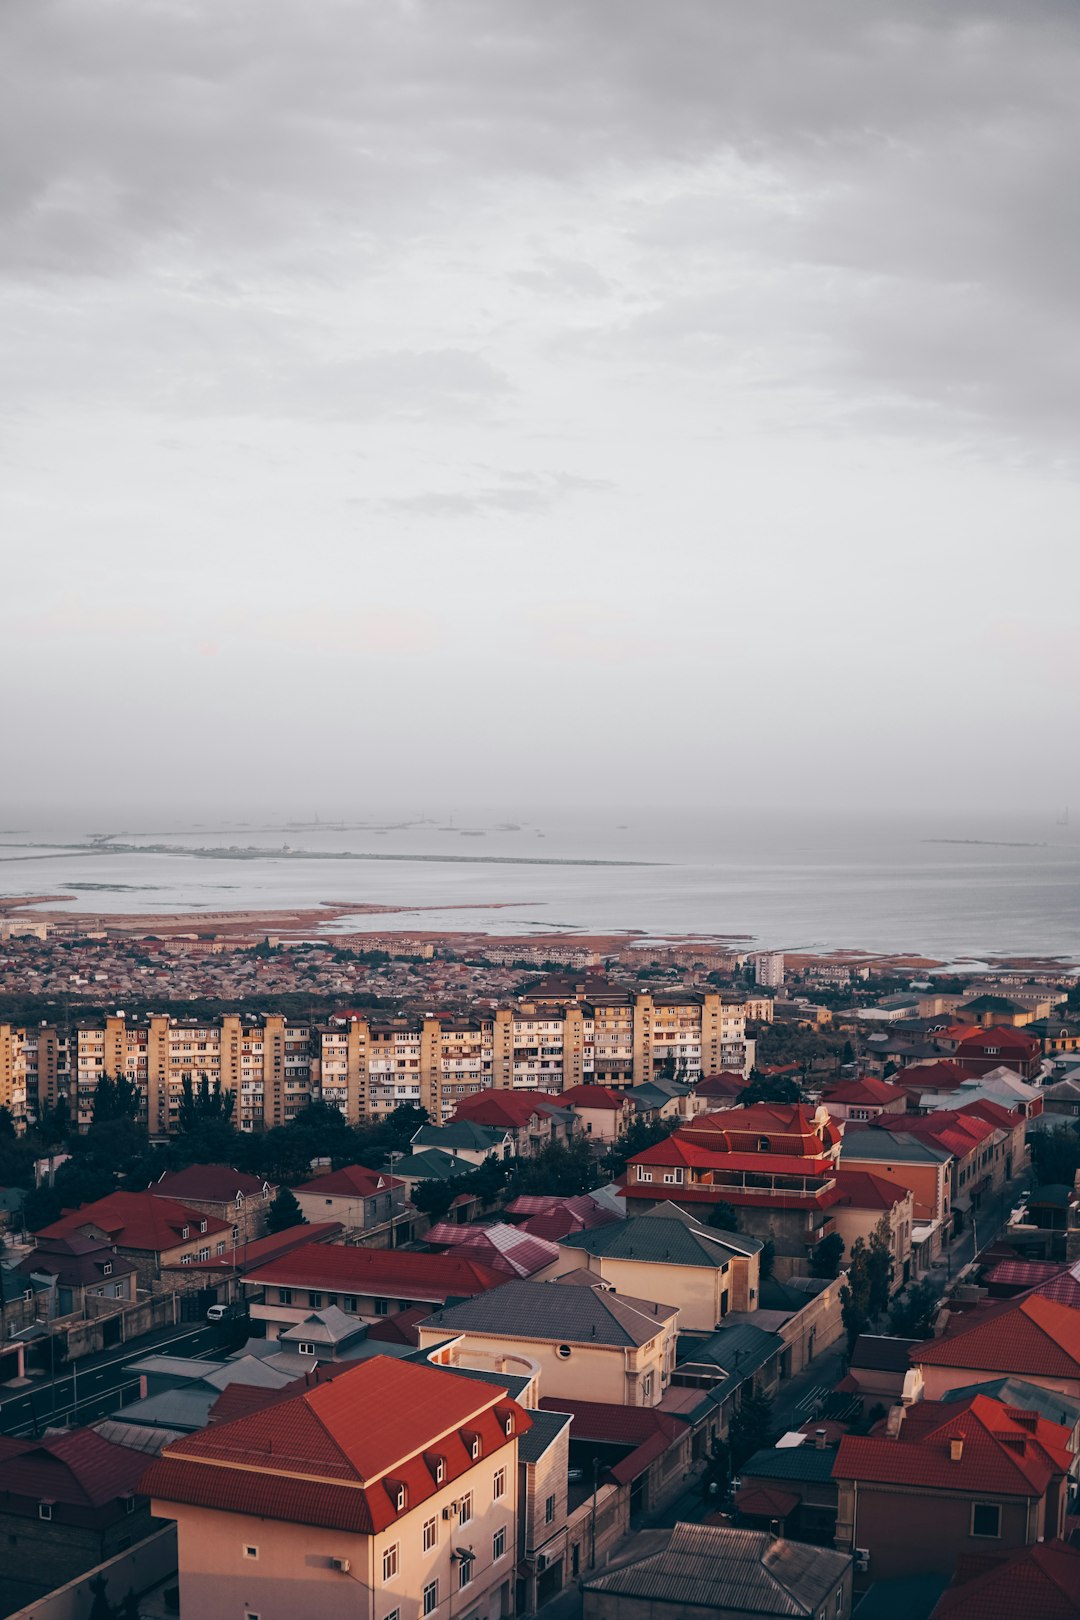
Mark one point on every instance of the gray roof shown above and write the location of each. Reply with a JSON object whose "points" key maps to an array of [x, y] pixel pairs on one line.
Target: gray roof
{"points": [[329, 1326], [460, 1133], [882, 1352], [555, 1312], [664, 1238], [546, 1429], [706, 1566], [183, 1409], [1064, 1409], [889, 1147], [136, 1437], [740, 1347], [430, 1164], [514, 1385], [808, 1462]]}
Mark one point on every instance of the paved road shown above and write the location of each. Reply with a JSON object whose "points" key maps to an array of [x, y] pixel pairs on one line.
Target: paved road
{"points": [[93, 1386]]}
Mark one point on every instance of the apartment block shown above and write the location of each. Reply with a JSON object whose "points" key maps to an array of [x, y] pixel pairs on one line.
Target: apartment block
{"points": [[368, 1066]]}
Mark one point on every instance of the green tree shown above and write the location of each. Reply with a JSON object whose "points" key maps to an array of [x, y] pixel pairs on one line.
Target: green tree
{"points": [[879, 1268], [557, 1170], [8, 1132], [751, 1427], [637, 1139], [855, 1293], [827, 1255], [1055, 1156], [204, 1104], [724, 1216], [117, 1098], [770, 1088], [912, 1316], [285, 1212], [434, 1198]]}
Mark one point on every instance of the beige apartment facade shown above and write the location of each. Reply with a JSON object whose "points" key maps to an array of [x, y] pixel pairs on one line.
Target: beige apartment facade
{"points": [[367, 1067]]}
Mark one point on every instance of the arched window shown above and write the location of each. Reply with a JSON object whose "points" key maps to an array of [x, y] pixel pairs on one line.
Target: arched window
{"points": [[763, 1144]]}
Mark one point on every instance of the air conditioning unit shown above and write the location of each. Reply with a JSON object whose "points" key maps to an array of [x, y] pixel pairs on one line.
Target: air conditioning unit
{"points": [[342, 1565], [451, 1510], [542, 1561], [862, 1559]]}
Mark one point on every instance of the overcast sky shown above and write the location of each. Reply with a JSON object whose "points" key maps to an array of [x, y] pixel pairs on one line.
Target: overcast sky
{"points": [[539, 401]]}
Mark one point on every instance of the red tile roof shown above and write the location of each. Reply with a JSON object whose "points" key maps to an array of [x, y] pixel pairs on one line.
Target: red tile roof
{"points": [[607, 1424], [512, 1108], [1000, 1039], [586, 1210], [401, 1327], [762, 1502], [728, 1083], [593, 1097], [1064, 1289], [352, 1181], [1032, 1336], [215, 1183], [139, 1221], [792, 1129], [1041, 1582], [80, 1469], [246, 1256], [395, 1273], [334, 1455], [503, 1247], [864, 1189], [868, 1091], [1004, 1450], [956, 1130], [943, 1076]]}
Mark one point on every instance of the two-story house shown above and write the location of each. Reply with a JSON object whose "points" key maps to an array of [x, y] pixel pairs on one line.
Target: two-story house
{"points": [[85, 1269], [154, 1232], [361, 1199], [233, 1196]]}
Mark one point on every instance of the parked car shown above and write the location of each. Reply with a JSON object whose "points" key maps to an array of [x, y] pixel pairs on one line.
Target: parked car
{"points": [[226, 1313]]}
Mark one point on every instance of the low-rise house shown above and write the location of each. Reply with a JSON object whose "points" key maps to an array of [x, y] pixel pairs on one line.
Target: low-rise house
{"points": [[366, 1283], [67, 1503], [547, 1216], [154, 1232], [641, 1448], [668, 1255], [534, 1118], [464, 1139], [361, 1199], [500, 1246], [604, 1114], [949, 1480], [1033, 1338], [544, 1555], [588, 1342], [792, 1483], [88, 1272], [716, 1092], [879, 1365], [232, 1196], [392, 1478], [867, 1199], [865, 1099], [739, 1359], [985, 1049], [726, 1573], [1034, 1583]]}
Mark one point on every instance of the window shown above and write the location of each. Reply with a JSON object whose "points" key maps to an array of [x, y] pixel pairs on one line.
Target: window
{"points": [[390, 1563], [474, 1447], [763, 1144], [431, 1597], [498, 1486], [251, 1552], [465, 1508], [464, 1572], [985, 1519], [44, 1510], [549, 1510], [305, 1348], [840, 1600], [284, 1296], [314, 1299], [106, 1270], [431, 1534], [646, 1384], [498, 1544], [563, 1352], [395, 1614], [400, 1498], [382, 1307], [440, 1471], [349, 1303]]}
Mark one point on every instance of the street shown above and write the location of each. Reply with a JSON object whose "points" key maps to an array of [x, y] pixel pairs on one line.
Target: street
{"points": [[96, 1385]]}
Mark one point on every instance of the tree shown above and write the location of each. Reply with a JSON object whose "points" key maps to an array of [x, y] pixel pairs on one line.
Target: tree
{"points": [[879, 1268], [724, 1216], [855, 1294], [117, 1098], [434, 1198], [1055, 1156], [7, 1124], [203, 1105], [751, 1427], [556, 1170], [770, 1088], [912, 1317], [766, 1260], [285, 1212], [637, 1139], [827, 1255]]}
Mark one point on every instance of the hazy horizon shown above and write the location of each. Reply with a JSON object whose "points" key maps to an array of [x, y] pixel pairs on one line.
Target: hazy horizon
{"points": [[486, 403]]}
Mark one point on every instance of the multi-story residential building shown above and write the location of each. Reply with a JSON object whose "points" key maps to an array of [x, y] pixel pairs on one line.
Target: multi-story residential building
{"points": [[768, 968], [368, 1066], [391, 1490], [947, 1480], [866, 1200], [156, 1233], [67, 1503], [777, 1163], [583, 1341], [235, 1198]]}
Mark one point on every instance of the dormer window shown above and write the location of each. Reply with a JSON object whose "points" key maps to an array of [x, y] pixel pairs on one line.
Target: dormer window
{"points": [[106, 1270], [305, 1349], [508, 1426], [202, 1226], [763, 1144], [185, 1233]]}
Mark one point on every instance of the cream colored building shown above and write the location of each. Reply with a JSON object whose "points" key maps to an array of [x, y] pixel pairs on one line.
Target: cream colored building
{"points": [[667, 1255], [390, 1491], [587, 1343]]}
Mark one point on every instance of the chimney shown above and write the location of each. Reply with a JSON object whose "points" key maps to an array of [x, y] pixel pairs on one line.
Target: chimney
{"points": [[819, 1439], [956, 1448]]}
